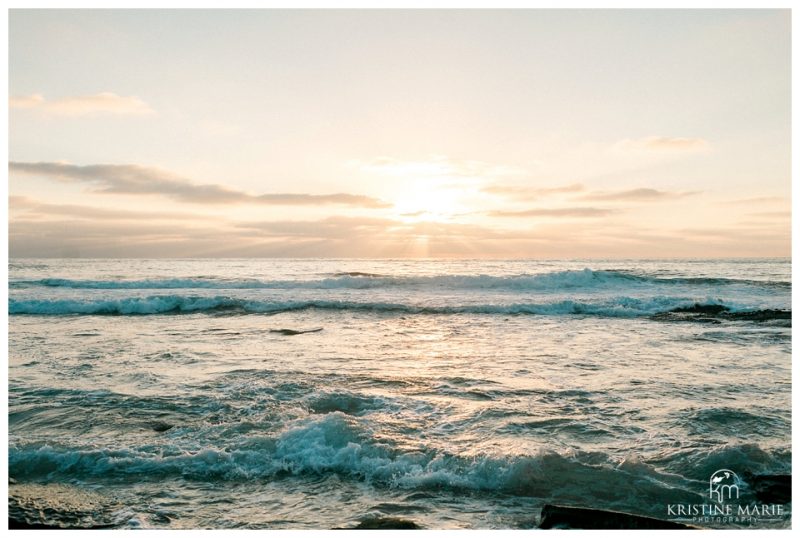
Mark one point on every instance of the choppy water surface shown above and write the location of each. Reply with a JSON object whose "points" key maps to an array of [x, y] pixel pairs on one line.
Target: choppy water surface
{"points": [[454, 394]]}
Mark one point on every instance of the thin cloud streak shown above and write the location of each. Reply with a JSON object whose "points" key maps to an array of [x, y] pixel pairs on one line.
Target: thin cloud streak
{"points": [[336, 227], [738, 234], [346, 228], [663, 143], [771, 214], [83, 105], [31, 207], [756, 200], [135, 179], [642, 194], [530, 193], [579, 212]]}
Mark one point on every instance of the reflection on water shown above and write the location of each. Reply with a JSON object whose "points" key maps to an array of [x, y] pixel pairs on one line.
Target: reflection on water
{"points": [[453, 394]]}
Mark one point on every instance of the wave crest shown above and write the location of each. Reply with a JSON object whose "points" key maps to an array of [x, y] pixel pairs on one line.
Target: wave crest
{"points": [[339, 443], [572, 279], [625, 307]]}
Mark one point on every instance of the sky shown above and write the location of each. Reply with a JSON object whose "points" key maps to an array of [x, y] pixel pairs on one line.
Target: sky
{"points": [[399, 133]]}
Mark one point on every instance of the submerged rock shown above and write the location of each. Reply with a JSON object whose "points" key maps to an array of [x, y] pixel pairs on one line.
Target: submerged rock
{"points": [[760, 315], [570, 517], [716, 313], [159, 426], [684, 316], [697, 308], [58, 506], [771, 489], [14, 525], [376, 523], [292, 332]]}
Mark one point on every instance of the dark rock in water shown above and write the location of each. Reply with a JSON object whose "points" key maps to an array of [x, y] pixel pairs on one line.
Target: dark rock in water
{"points": [[715, 313], [14, 525], [58, 506], [569, 517], [712, 309], [160, 426], [760, 315], [683, 316], [771, 489], [292, 332], [349, 404], [376, 523]]}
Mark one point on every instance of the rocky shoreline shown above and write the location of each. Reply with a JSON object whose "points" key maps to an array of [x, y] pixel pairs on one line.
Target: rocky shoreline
{"points": [[62, 506]]}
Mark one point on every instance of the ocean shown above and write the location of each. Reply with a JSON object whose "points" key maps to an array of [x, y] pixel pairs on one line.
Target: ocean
{"points": [[321, 393]]}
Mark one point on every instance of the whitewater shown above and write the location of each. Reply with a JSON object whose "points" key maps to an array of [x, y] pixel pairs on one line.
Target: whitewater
{"points": [[318, 394]]}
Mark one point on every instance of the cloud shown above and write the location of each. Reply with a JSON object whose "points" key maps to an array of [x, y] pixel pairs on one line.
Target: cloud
{"points": [[83, 105], [580, 212], [334, 237], [530, 193], [641, 195], [135, 179], [133, 238], [341, 227], [739, 234], [756, 200], [663, 143], [34, 208], [320, 199], [771, 214], [337, 227]]}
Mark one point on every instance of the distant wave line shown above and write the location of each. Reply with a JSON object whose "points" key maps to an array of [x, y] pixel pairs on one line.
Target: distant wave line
{"points": [[585, 278], [623, 307]]}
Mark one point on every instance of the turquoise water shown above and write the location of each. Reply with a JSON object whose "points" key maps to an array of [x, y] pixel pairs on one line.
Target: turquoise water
{"points": [[457, 394]]}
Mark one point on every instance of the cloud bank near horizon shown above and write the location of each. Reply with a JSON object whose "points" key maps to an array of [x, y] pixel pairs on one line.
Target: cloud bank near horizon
{"points": [[66, 235], [83, 105], [136, 179], [501, 229]]}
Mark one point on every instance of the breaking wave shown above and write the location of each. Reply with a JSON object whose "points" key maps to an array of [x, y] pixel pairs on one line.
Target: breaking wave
{"points": [[338, 443], [180, 304]]}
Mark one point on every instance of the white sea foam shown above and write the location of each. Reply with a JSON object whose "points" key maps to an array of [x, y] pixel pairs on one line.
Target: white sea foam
{"points": [[338, 443], [180, 304]]}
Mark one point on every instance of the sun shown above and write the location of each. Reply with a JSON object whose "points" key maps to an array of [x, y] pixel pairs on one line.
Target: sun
{"points": [[428, 203]]}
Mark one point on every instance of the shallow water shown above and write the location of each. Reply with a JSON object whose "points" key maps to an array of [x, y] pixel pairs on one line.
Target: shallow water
{"points": [[456, 394]]}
